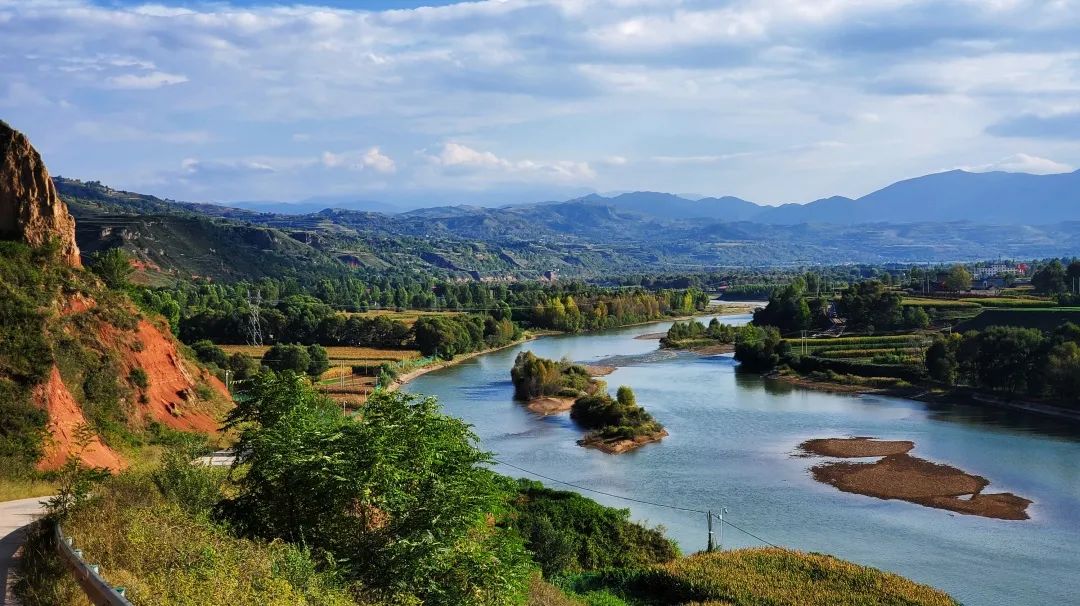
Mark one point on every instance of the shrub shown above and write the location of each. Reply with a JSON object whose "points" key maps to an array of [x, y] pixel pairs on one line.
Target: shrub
{"points": [[566, 532], [621, 418], [209, 353], [139, 378]]}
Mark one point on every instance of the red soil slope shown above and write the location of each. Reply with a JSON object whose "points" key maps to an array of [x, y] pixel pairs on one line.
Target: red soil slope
{"points": [[171, 394], [65, 417]]}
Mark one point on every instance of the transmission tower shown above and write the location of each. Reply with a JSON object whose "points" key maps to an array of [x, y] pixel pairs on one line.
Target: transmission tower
{"points": [[255, 322]]}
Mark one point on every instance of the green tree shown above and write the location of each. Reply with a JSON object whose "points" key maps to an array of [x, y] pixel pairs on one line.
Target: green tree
{"points": [[209, 353], [1050, 279], [915, 317], [958, 278], [870, 304], [113, 266], [941, 361], [399, 497], [281, 358], [759, 349], [1063, 372], [319, 360]]}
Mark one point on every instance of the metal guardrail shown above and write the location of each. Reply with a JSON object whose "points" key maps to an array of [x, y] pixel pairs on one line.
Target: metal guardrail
{"points": [[88, 575]]}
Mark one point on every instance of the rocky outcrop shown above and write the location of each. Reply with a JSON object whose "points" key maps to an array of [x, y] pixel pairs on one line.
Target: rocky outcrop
{"points": [[30, 209]]}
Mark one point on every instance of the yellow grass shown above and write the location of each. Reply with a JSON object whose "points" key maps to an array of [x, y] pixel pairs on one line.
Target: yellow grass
{"points": [[408, 316], [336, 353], [24, 488]]}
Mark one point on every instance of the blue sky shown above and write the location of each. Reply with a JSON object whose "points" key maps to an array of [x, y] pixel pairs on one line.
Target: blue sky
{"points": [[516, 100]]}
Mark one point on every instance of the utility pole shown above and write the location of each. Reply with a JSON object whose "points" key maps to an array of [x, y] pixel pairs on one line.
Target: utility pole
{"points": [[228, 380], [709, 516]]}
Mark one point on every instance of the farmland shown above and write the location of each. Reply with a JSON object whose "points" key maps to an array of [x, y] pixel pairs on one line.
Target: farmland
{"points": [[353, 370]]}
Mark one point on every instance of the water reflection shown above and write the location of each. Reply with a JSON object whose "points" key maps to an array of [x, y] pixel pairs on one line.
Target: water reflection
{"points": [[732, 437]]}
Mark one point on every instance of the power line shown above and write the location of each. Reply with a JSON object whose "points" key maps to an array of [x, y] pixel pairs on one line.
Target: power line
{"points": [[643, 502], [607, 494]]}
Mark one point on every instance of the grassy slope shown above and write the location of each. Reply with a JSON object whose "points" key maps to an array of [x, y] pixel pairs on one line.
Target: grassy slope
{"points": [[750, 577]]}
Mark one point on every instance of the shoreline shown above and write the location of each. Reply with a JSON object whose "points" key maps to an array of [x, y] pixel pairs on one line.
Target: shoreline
{"points": [[423, 370], [621, 445], [927, 395]]}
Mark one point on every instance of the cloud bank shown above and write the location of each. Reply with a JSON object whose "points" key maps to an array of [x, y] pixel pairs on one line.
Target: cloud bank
{"points": [[511, 100]]}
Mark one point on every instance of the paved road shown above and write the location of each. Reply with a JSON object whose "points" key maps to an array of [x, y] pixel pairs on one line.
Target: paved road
{"points": [[14, 516], [220, 458]]}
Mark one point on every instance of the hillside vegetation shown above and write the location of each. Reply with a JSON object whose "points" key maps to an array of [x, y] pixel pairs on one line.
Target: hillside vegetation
{"points": [[395, 506]]}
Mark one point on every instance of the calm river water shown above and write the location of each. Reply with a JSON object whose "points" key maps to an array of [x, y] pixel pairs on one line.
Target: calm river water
{"points": [[732, 444]]}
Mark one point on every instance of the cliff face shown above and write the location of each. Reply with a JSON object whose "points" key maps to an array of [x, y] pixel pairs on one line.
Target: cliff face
{"points": [[30, 210]]}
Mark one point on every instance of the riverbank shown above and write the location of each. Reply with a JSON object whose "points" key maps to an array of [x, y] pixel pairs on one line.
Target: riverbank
{"points": [[898, 475], [423, 370], [929, 394]]}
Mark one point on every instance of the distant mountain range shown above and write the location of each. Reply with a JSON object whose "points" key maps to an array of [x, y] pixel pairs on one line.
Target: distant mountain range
{"points": [[951, 216], [315, 204], [957, 195]]}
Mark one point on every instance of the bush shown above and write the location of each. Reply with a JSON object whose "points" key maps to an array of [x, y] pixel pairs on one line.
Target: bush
{"points": [[209, 353], [567, 533], [282, 358], [139, 378], [621, 418]]}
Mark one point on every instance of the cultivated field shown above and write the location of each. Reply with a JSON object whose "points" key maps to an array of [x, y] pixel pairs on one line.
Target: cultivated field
{"points": [[348, 355], [408, 316]]}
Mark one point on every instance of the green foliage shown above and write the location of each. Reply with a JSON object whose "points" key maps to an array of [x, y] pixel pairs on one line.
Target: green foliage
{"points": [[242, 366], [871, 305], [209, 353], [22, 429], [1051, 278], [568, 533], [319, 360], [194, 489], [759, 349], [609, 418], [789, 310], [398, 497], [113, 266], [282, 358], [139, 378], [958, 278], [693, 331], [534, 376]]}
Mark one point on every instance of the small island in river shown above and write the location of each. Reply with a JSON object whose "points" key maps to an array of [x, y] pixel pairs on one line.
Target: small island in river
{"points": [[616, 425], [898, 475]]}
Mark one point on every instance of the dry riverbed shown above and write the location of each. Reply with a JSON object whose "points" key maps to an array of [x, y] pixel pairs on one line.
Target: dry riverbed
{"points": [[898, 475]]}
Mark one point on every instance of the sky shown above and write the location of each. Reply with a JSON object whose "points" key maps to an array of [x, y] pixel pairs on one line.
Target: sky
{"points": [[505, 101]]}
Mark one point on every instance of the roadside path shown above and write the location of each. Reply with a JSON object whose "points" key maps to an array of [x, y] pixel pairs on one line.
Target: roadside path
{"points": [[14, 516]]}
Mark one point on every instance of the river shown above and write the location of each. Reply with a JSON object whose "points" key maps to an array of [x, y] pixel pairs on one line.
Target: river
{"points": [[733, 444]]}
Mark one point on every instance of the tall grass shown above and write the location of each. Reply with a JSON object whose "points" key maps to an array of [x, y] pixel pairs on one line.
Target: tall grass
{"points": [[164, 555], [751, 577]]}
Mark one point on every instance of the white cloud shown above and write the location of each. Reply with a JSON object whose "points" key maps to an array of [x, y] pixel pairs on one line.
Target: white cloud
{"points": [[1023, 163], [525, 91], [145, 81], [372, 158], [378, 161], [458, 157]]}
